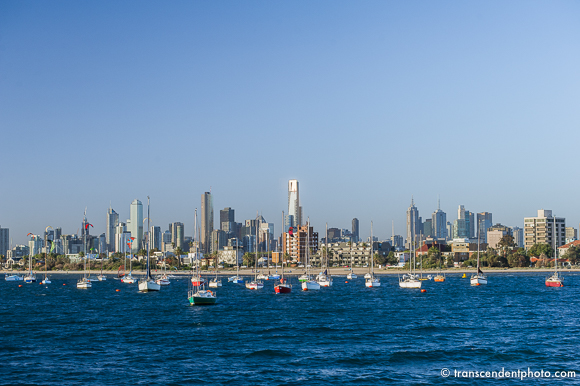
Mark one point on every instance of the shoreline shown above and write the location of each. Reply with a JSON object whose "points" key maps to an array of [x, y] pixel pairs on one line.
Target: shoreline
{"points": [[337, 272]]}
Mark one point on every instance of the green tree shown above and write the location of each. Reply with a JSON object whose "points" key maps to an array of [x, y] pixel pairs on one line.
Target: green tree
{"points": [[572, 255], [506, 243], [392, 259], [379, 259], [248, 259], [541, 248]]}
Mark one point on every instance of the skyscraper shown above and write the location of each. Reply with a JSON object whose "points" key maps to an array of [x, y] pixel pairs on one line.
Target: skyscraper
{"points": [[484, 222], [155, 238], [439, 223], [4, 240], [294, 217], [112, 222], [135, 225], [413, 224], [206, 221], [227, 222], [177, 234], [355, 230]]}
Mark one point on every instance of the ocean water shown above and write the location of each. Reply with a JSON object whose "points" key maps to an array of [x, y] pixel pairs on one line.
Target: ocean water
{"points": [[343, 335]]}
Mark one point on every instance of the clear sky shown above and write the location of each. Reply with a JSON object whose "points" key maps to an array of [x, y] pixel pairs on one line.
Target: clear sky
{"points": [[365, 103]]}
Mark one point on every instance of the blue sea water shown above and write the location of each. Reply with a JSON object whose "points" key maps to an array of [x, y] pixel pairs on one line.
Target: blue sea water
{"points": [[343, 335]]}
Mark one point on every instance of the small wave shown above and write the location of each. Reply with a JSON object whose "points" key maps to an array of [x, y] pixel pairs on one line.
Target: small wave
{"points": [[269, 354]]}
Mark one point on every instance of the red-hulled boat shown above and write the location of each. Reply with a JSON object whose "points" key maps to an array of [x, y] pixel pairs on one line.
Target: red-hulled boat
{"points": [[284, 287], [554, 281]]}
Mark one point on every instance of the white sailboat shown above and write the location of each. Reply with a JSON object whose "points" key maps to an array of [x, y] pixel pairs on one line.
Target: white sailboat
{"points": [[30, 277], [479, 278], [411, 280], [163, 279], [351, 275], [46, 280], [256, 284], [309, 284], [148, 284], [84, 282], [324, 278], [372, 281], [128, 277], [236, 279]]}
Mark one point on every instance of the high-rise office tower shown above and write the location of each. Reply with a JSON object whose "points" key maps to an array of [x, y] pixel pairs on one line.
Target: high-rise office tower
{"points": [[135, 225], [177, 234], [355, 230], [155, 238], [484, 222], [4, 240], [227, 222], [112, 222], [414, 225], [439, 223], [294, 217], [206, 221]]}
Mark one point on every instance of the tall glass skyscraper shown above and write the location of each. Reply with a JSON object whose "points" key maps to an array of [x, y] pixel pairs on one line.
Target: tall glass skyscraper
{"points": [[294, 216], [135, 225], [206, 221], [414, 225], [112, 222]]}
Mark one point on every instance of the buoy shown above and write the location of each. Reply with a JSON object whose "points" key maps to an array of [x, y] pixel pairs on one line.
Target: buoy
{"points": [[423, 290], [346, 282], [117, 290], [63, 283], [19, 285]]}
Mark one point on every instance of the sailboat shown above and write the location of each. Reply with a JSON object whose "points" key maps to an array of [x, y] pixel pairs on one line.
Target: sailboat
{"points": [[128, 277], [46, 280], [372, 281], [479, 278], [283, 287], [236, 279], [197, 294], [147, 284], [255, 284], [84, 282], [309, 284], [351, 275], [410, 280], [324, 278], [100, 276], [215, 282], [555, 280], [31, 277], [440, 277], [163, 279]]}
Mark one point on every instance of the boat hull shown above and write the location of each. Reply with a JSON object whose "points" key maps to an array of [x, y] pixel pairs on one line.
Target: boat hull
{"points": [[13, 278], [254, 285], [30, 279], [283, 289], [148, 286], [478, 280], [202, 298], [310, 285], [84, 284], [372, 283], [554, 283], [215, 284], [410, 284], [163, 281]]}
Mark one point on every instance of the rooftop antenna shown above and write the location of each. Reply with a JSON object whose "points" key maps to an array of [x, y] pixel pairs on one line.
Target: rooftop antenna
{"points": [[438, 203]]}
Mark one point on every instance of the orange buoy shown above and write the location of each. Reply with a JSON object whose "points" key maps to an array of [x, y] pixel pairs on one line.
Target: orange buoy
{"points": [[423, 290], [117, 290], [63, 283], [19, 285], [346, 282]]}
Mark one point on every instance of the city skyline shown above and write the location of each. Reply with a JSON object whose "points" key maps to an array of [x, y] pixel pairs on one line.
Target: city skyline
{"points": [[366, 105]]}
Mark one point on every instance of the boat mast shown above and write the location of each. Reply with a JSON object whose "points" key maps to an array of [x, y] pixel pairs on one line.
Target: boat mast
{"points": [[372, 257], [555, 251], [148, 238]]}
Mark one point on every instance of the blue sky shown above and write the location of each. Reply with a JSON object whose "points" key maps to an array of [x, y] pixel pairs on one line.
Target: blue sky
{"points": [[365, 103]]}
